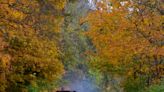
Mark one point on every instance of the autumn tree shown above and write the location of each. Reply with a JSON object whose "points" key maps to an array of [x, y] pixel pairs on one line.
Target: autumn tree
{"points": [[128, 37], [29, 53]]}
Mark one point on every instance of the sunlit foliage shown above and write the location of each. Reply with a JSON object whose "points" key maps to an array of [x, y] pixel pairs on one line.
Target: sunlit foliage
{"points": [[30, 56], [128, 42]]}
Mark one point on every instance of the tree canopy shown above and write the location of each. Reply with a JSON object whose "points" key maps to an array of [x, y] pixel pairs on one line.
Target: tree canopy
{"points": [[91, 45]]}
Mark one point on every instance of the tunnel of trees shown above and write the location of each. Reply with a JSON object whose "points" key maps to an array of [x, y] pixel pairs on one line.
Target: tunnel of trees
{"points": [[82, 45]]}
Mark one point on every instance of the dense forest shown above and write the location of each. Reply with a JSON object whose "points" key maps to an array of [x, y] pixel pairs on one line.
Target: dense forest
{"points": [[82, 45]]}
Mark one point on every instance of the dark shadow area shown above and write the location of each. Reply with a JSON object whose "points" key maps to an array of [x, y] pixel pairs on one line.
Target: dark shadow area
{"points": [[65, 91]]}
